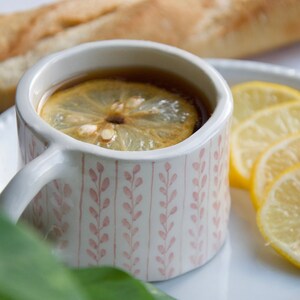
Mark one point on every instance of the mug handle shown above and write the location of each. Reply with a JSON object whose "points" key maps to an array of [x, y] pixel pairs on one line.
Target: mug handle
{"points": [[30, 180]]}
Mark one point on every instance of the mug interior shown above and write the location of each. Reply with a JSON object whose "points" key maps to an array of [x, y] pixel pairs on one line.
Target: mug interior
{"points": [[91, 57]]}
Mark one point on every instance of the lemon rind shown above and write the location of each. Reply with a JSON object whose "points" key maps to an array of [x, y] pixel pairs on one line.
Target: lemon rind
{"points": [[279, 247], [259, 163], [242, 177]]}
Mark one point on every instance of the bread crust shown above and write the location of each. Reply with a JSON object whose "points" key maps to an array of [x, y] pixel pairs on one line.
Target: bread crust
{"points": [[208, 28], [21, 31]]}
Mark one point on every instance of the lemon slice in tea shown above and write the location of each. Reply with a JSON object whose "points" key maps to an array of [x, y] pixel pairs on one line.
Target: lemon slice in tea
{"points": [[121, 115]]}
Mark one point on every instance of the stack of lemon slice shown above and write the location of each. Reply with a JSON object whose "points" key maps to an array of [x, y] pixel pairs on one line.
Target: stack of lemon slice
{"points": [[265, 158]]}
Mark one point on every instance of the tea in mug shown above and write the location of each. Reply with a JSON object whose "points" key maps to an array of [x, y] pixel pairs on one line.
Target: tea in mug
{"points": [[127, 109]]}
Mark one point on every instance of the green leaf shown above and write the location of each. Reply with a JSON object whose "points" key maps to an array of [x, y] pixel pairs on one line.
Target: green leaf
{"points": [[156, 293], [28, 271], [108, 283]]}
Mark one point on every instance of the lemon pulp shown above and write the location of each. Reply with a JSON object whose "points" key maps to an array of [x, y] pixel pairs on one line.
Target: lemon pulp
{"points": [[281, 155], [256, 133], [121, 115], [251, 97], [278, 217]]}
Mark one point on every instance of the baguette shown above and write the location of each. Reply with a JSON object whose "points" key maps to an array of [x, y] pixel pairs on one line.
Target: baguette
{"points": [[209, 28]]}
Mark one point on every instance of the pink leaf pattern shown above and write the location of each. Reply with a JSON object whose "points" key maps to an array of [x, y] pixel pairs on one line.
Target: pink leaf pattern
{"points": [[226, 196], [198, 208], [166, 219], [36, 207], [132, 212], [37, 212], [32, 149], [216, 201], [61, 208], [97, 210]]}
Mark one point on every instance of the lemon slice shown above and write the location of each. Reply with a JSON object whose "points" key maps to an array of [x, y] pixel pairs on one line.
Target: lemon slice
{"points": [[256, 133], [274, 160], [121, 115], [253, 96], [278, 218]]}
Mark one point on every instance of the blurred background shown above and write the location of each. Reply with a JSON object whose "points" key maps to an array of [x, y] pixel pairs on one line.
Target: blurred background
{"points": [[222, 29], [286, 56]]}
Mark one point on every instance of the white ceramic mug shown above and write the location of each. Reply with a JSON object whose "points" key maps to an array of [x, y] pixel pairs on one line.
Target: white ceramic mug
{"points": [[156, 214]]}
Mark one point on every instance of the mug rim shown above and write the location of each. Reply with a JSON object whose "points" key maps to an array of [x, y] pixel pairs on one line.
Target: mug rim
{"points": [[220, 114]]}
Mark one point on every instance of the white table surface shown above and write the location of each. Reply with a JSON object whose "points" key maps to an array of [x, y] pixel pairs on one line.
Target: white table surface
{"points": [[228, 288]]}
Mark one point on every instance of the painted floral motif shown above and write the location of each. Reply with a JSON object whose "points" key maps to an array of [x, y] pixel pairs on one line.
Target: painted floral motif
{"points": [[101, 238], [216, 204], [32, 149], [36, 207], [133, 213], [60, 209], [198, 209], [166, 219], [97, 210], [227, 200], [37, 212], [21, 136]]}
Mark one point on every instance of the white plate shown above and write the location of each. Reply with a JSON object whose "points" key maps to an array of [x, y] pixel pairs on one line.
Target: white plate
{"points": [[245, 268]]}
